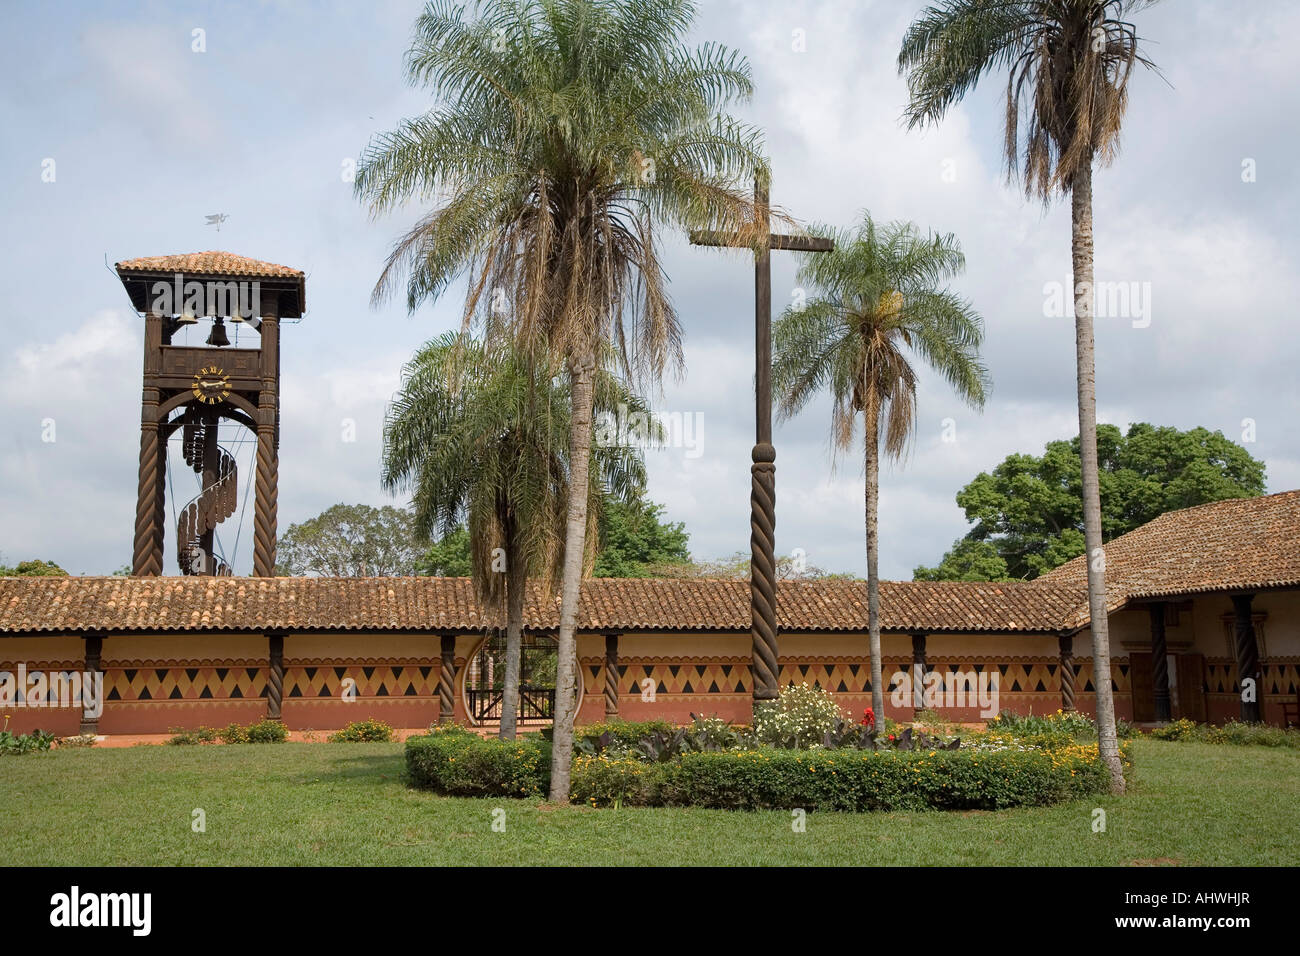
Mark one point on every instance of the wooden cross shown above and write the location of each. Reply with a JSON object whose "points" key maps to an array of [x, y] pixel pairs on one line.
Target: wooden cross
{"points": [[765, 671]]}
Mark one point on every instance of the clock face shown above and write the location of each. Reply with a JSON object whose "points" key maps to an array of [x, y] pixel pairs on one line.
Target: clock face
{"points": [[211, 385]]}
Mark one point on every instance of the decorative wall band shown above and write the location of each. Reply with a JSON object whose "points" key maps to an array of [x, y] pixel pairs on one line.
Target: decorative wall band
{"points": [[1017, 676], [185, 682]]}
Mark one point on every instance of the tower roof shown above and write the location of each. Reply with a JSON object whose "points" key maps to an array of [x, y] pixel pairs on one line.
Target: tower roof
{"points": [[139, 274]]}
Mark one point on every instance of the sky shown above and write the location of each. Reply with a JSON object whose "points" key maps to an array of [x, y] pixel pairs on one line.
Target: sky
{"points": [[127, 124]]}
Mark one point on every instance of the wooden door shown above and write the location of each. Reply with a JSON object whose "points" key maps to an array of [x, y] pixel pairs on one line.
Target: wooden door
{"points": [[1191, 686], [1143, 686]]}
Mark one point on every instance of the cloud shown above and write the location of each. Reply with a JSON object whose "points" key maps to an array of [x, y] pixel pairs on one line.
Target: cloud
{"points": [[264, 119]]}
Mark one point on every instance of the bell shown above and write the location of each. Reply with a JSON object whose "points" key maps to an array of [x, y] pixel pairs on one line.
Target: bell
{"points": [[218, 336], [186, 318]]}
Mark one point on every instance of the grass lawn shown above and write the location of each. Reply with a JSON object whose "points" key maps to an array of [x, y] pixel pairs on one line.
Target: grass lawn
{"points": [[347, 804]]}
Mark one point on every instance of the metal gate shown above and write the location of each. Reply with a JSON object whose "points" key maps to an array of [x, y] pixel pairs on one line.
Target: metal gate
{"points": [[485, 680]]}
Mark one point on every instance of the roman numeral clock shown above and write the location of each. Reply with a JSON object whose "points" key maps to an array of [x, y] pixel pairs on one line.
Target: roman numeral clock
{"points": [[207, 397]]}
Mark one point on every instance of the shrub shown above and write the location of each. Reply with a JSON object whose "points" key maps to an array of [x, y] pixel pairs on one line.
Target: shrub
{"points": [[623, 734], [854, 780], [1244, 734], [17, 744], [199, 735], [462, 764], [1182, 729], [267, 732], [233, 734], [1126, 731], [712, 733], [363, 732], [614, 781], [799, 718]]}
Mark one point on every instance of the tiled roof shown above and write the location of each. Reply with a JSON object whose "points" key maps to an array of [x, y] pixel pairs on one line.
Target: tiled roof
{"points": [[1229, 545], [212, 263], [109, 604]]}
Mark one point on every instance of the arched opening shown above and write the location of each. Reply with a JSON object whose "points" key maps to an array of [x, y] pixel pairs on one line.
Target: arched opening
{"points": [[485, 674]]}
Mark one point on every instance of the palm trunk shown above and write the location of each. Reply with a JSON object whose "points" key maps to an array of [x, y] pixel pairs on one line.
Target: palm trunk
{"points": [[581, 374], [516, 582], [872, 444], [1081, 253]]}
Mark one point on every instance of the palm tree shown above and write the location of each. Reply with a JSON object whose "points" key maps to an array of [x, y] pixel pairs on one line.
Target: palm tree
{"points": [[878, 299], [567, 133], [478, 433], [1069, 64]]}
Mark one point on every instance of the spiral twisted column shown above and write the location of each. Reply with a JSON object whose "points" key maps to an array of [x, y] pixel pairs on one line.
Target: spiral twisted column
{"points": [[447, 679], [94, 650], [1066, 671], [1247, 656], [611, 675], [275, 676], [147, 553], [267, 494], [762, 565], [1160, 663]]}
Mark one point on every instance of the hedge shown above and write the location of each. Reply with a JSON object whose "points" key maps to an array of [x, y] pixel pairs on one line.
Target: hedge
{"points": [[457, 763], [625, 733], [846, 779]]}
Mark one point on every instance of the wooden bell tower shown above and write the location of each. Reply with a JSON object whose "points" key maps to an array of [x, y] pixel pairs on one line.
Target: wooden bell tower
{"points": [[194, 388]]}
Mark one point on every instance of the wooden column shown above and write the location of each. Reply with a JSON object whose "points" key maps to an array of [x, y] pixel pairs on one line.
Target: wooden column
{"points": [[93, 653], [1066, 672], [766, 668], [147, 553], [447, 680], [275, 675], [611, 675], [765, 671], [918, 671], [1160, 663], [1247, 656], [268, 455]]}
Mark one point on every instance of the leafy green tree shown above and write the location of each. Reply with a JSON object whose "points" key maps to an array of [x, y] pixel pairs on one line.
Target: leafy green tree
{"points": [[1069, 63], [448, 557], [478, 433], [1028, 511], [349, 541], [737, 567], [635, 543], [566, 133], [967, 561], [32, 569], [879, 302]]}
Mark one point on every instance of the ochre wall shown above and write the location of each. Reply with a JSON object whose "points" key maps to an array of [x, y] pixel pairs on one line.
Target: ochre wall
{"points": [[709, 673], [154, 683]]}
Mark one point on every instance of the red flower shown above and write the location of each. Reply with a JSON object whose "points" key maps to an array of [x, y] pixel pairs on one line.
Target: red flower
{"points": [[868, 717]]}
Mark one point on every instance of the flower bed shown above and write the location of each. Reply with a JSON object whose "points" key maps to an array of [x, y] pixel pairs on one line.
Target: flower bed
{"points": [[709, 764]]}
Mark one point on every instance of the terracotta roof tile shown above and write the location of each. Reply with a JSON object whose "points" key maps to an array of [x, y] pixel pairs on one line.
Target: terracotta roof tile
{"points": [[58, 604], [213, 263], [1229, 545]]}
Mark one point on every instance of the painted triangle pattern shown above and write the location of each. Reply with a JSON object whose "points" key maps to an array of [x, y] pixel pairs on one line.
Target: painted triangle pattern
{"points": [[370, 680], [238, 681]]}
